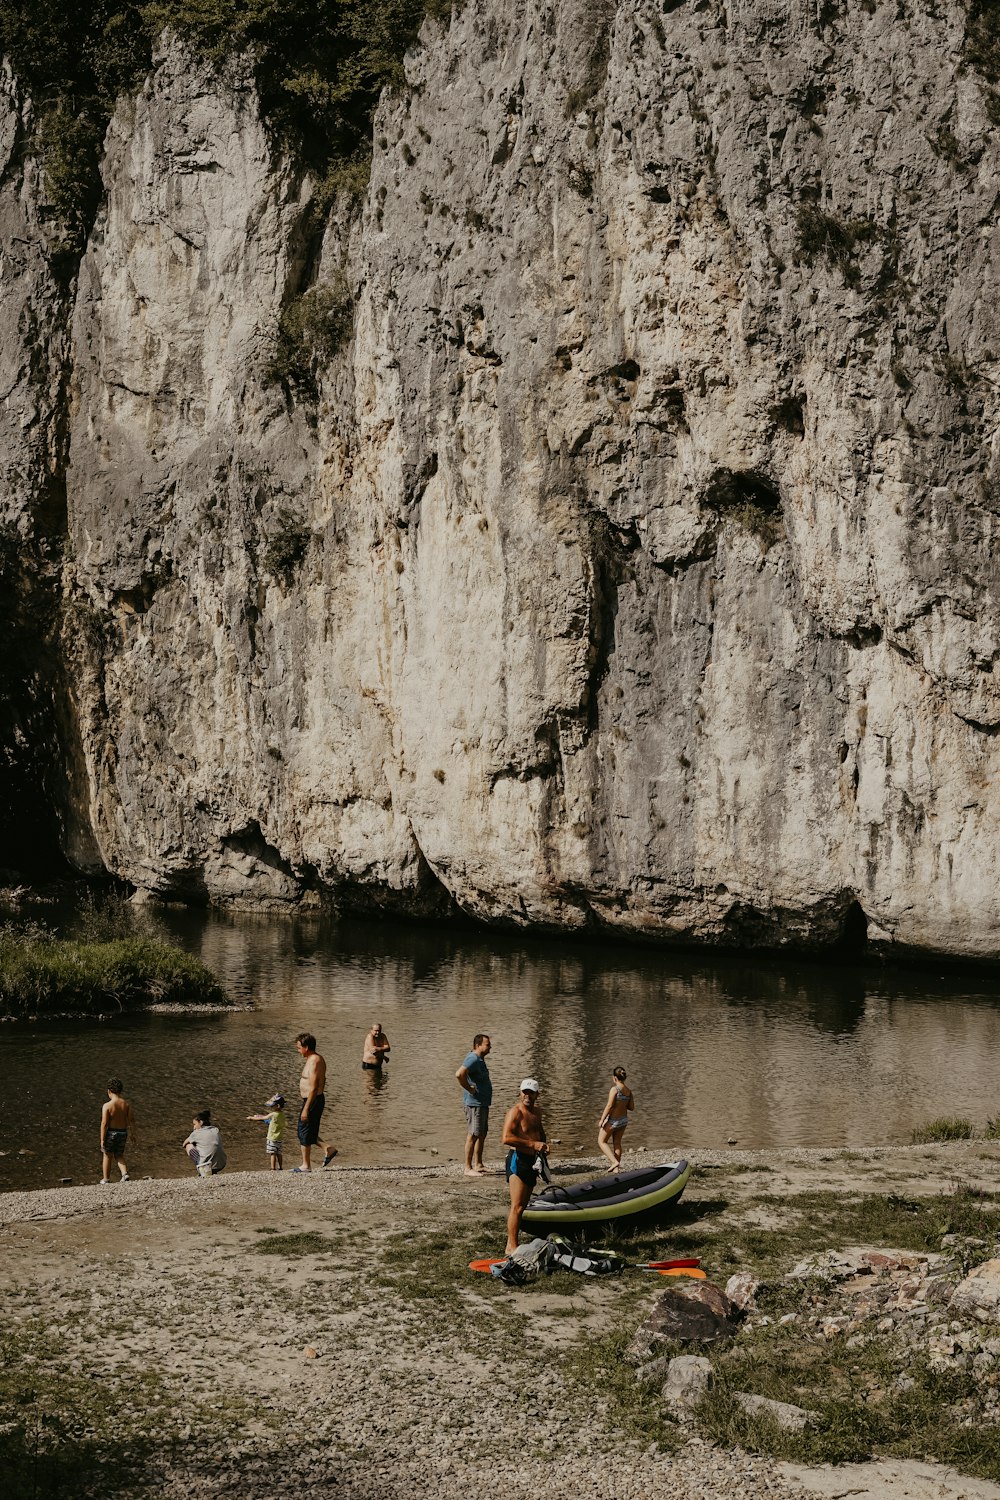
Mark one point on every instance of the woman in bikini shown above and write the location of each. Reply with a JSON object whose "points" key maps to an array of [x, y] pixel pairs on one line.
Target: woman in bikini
{"points": [[611, 1125]]}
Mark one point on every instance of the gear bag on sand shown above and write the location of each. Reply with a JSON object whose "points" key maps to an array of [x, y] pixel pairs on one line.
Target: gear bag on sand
{"points": [[539, 1257]]}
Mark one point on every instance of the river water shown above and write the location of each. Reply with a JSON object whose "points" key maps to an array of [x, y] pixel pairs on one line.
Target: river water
{"points": [[765, 1052]]}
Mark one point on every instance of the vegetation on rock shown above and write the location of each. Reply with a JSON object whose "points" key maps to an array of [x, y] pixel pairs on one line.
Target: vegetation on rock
{"points": [[944, 1129], [286, 545], [311, 331], [44, 975], [320, 67]]}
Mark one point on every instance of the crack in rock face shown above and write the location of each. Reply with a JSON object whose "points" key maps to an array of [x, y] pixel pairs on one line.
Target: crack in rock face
{"points": [[629, 560]]}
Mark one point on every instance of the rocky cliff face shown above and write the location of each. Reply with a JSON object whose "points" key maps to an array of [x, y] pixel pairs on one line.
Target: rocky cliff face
{"points": [[635, 565], [36, 752]]}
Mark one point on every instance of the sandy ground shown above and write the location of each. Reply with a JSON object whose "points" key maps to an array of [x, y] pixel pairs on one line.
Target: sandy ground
{"points": [[375, 1365]]}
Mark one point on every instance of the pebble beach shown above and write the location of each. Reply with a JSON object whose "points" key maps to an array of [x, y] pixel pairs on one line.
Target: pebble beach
{"points": [[260, 1334]]}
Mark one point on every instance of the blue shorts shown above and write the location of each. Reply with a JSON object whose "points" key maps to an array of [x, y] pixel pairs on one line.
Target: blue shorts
{"points": [[520, 1165], [308, 1129]]}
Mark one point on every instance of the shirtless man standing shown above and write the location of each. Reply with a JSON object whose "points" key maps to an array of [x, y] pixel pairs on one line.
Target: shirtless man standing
{"points": [[524, 1135], [311, 1086]]}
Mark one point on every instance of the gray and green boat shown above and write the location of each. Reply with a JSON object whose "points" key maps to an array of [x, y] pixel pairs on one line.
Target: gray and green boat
{"points": [[621, 1198]]}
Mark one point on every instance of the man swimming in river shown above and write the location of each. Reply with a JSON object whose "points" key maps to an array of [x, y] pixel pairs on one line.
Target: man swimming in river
{"points": [[312, 1085], [524, 1136], [376, 1049]]}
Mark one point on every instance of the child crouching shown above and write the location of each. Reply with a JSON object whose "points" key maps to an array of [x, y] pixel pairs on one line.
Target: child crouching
{"points": [[204, 1145]]}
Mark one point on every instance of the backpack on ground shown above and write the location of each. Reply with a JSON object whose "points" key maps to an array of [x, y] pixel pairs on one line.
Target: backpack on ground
{"points": [[527, 1262]]}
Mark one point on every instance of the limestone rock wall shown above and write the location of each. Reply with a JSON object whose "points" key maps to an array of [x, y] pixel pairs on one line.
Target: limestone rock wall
{"points": [[37, 744], [644, 528]]}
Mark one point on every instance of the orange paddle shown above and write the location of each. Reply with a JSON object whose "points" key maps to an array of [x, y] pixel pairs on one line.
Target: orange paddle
{"points": [[692, 1271]]}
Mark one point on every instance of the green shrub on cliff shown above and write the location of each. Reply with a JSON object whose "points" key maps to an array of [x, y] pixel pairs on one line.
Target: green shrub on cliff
{"points": [[320, 64], [320, 67], [287, 544], [312, 329], [42, 975]]}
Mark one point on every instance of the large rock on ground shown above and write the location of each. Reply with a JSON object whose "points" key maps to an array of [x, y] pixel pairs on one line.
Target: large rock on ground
{"points": [[701, 1315], [979, 1293], [689, 1377], [783, 1413]]}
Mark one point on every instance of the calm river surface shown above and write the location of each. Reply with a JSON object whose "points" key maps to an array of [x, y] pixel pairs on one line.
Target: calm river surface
{"points": [[771, 1053]]}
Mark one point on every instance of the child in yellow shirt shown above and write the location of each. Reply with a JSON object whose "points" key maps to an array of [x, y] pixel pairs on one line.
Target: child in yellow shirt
{"points": [[275, 1118]]}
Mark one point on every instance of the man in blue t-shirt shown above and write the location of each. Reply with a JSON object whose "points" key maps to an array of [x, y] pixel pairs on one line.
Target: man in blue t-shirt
{"points": [[477, 1096]]}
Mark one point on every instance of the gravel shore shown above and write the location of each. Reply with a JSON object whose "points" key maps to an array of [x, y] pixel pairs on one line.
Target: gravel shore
{"points": [[266, 1333]]}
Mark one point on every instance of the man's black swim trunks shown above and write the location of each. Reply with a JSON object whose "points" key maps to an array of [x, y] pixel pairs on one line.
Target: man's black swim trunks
{"points": [[309, 1127], [520, 1164]]}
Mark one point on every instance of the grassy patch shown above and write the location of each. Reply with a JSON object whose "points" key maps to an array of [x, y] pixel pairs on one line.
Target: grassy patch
{"points": [[598, 1371], [943, 1129], [294, 1245], [812, 1222], [41, 974], [871, 1395], [435, 1266], [878, 1398], [77, 1432]]}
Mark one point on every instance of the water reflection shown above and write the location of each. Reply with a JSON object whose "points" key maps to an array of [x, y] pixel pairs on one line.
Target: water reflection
{"points": [[768, 1053]]}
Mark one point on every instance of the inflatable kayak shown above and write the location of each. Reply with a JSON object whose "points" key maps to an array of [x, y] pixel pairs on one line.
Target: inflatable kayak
{"points": [[608, 1199]]}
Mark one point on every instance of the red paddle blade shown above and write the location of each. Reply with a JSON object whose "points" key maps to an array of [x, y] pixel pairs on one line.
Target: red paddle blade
{"points": [[666, 1265], [484, 1265]]}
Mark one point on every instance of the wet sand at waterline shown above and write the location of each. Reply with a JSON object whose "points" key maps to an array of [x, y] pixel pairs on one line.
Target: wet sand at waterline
{"points": [[373, 1365]]}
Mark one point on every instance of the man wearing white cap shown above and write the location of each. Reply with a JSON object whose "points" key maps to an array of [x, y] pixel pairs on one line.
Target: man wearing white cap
{"points": [[524, 1136]]}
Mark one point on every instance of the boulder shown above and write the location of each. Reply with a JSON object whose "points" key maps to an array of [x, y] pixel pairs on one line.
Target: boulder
{"points": [[710, 1296], [699, 1314], [793, 1418], [742, 1289], [979, 1293], [689, 1376]]}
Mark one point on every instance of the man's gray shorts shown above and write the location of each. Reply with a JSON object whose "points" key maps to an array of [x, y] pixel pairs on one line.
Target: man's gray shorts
{"points": [[477, 1117]]}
